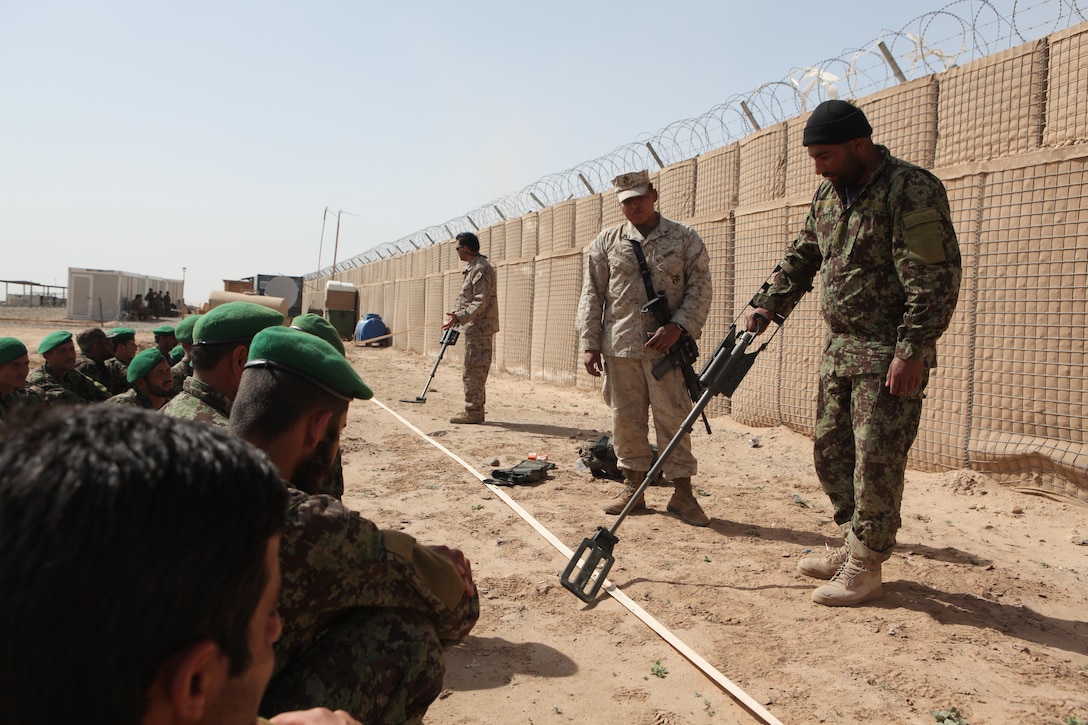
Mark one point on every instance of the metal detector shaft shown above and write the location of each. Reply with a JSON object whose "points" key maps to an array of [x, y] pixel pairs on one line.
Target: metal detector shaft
{"points": [[597, 552], [449, 337]]}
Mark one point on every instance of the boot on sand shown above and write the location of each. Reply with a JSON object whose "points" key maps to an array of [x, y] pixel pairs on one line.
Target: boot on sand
{"points": [[468, 417], [631, 481], [684, 505], [826, 565], [857, 580]]}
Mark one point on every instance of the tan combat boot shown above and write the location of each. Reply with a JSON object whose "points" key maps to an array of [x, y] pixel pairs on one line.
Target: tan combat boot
{"points": [[684, 505], [468, 418], [857, 580], [631, 481], [825, 566]]}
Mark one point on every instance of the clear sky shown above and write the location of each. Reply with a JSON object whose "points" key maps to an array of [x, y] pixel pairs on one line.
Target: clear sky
{"points": [[147, 136]]}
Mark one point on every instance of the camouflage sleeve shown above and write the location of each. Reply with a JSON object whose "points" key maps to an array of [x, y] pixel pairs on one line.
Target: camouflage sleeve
{"points": [[792, 278], [333, 559], [51, 391], [927, 261], [694, 306], [590, 313]]}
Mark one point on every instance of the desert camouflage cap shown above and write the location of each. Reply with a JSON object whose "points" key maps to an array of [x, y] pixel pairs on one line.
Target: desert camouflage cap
{"points": [[54, 339], [309, 357], [143, 363], [184, 331], [318, 325], [632, 183], [234, 322], [10, 349]]}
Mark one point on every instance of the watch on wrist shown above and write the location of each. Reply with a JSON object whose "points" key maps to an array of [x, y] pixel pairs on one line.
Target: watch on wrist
{"points": [[679, 327]]}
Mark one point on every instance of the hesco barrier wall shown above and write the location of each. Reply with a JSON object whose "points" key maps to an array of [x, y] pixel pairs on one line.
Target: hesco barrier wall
{"points": [[1008, 134]]}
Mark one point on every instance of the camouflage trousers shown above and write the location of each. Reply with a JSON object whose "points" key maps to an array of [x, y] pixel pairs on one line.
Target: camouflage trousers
{"points": [[478, 349], [631, 390], [863, 434], [381, 665]]}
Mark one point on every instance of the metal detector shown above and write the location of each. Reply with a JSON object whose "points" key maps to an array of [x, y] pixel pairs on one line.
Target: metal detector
{"points": [[449, 337], [721, 376]]}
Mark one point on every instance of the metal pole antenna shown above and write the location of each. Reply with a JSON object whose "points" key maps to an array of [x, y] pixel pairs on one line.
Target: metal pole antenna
{"points": [[336, 248]]}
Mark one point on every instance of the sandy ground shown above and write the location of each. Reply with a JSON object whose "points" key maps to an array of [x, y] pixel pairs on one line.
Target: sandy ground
{"points": [[984, 611]]}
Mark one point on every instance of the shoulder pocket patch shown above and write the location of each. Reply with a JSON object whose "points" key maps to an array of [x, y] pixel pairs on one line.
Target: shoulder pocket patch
{"points": [[922, 233]]}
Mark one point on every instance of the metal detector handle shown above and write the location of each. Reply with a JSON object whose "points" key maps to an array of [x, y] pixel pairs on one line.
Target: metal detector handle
{"points": [[449, 336]]}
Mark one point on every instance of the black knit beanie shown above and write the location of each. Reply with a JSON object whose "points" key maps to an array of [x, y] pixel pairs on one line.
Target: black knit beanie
{"points": [[835, 122]]}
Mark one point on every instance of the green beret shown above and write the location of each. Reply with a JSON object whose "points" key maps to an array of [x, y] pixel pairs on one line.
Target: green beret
{"points": [[53, 339], [318, 325], [10, 349], [177, 352], [121, 334], [235, 322], [184, 331], [143, 363], [309, 357], [163, 330]]}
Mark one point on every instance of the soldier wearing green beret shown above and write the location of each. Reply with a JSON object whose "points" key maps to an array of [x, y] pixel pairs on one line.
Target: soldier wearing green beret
{"points": [[151, 380], [333, 483], [14, 368], [372, 644], [183, 368], [94, 350], [123, 340], [58, 377], [221, 341], [165, 339], [318, 325]]}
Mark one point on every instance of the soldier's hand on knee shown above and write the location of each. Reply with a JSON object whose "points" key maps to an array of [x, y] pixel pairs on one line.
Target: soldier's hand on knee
{"points": [[461, 563]]}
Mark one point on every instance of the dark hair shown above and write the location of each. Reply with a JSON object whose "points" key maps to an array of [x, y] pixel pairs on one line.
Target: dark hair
{"points": [[89, 337], [125, 537], [271, 400], [469, 241], [207, 356]]}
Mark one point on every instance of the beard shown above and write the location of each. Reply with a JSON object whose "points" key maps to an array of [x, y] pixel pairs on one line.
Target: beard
{"points": [[316, 467]]}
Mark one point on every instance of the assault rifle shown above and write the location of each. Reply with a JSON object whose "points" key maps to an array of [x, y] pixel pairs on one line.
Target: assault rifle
{"points": [[682, 354]]}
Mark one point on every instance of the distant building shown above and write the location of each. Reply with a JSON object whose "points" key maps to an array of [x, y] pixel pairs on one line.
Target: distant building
{"points": [[103, 294]]}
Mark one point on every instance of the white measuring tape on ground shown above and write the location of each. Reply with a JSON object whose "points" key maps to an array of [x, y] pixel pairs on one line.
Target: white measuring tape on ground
{"points": [[742, 698]]}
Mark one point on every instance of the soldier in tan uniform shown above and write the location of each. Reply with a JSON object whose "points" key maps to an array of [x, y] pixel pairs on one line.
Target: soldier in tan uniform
{"points": [[624, 343], [477, 311]]}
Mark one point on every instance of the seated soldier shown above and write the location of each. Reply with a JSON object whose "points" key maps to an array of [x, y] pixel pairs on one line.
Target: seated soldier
{"points": [[220, 346], [58, 378], [14, 368], [367, 613], [123, 341], [151, 380], [174, 622], [94, 350]]}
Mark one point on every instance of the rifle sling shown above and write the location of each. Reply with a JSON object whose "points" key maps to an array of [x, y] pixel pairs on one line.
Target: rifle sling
{"points": [[651, 294]]}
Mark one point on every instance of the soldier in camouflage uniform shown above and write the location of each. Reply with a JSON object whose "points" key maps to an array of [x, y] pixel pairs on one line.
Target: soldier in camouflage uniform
{"points": [[477, 310], [123, 340], [220, 349], [332, 484], [880, 230], [14, 368], [94, 350], [184, 368], [58, 378], [151, 380], [625, 343], [366, 613]]}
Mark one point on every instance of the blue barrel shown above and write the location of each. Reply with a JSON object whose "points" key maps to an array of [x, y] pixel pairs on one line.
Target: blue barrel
{"points": [[370, 327]]}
